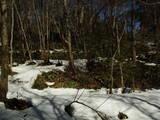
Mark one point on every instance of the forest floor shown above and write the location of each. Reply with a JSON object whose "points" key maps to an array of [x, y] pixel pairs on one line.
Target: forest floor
{"points": [[49, 103]]}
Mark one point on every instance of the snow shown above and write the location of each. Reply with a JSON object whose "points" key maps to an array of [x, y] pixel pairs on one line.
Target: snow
{"points": [[57, 50], [147, 64], [150, 64], [50, 83], [49, 103]]}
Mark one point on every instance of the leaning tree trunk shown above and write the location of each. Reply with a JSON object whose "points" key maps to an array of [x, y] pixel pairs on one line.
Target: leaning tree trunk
{"points": [[5, 55], [23, 32]]}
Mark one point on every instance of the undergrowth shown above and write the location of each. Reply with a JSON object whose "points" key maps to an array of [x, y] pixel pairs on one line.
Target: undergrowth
{"points": [[135, 75]]}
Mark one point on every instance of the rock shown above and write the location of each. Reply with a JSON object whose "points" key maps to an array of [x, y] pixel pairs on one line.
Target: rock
{"points": [[122, 116]]}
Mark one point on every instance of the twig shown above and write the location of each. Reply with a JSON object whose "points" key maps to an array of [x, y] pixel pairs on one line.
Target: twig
{"points": [[76, 95], [81, 94], [104, 102]]}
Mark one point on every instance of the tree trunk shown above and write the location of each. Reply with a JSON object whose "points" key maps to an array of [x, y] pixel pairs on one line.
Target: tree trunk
{"points": [[133, 38], [11, 41], [23, 32], [68, 40], [112, 70], [5, 56], [119, 54], [133, 31], [70, 54]]}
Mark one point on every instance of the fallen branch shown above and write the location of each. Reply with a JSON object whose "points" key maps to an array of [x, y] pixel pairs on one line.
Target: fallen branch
{"points": [[69, 109]]}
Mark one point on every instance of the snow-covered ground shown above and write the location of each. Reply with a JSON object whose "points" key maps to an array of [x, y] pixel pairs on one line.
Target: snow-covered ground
{"points": [[49, 103]]}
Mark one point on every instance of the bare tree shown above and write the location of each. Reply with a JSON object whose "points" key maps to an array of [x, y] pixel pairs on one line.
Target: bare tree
{"points": [[12, 37], [133, 30], [42, 23], [23, 32], [5, 52], [118, 29], [68, 39]]}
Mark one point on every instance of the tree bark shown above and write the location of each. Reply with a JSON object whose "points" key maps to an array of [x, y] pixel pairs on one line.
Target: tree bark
{"points": [[68, 40], [133, 31], [12, 36], [5, 55], [71, 59]]}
